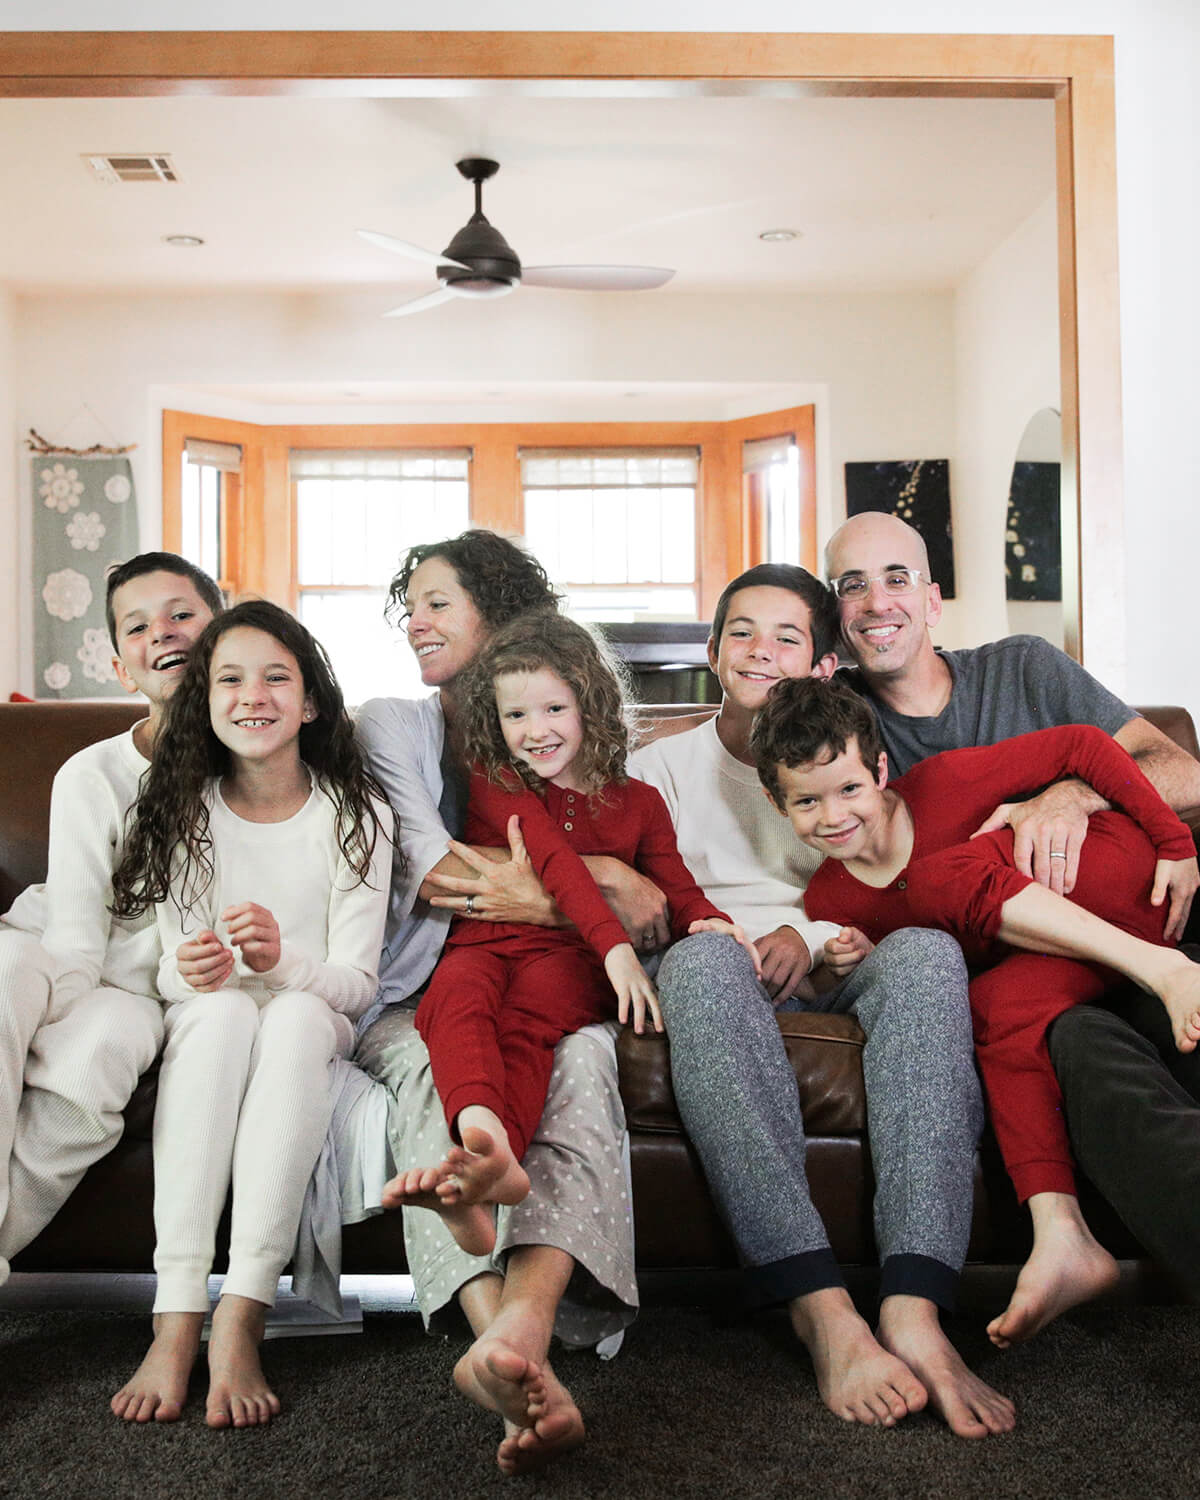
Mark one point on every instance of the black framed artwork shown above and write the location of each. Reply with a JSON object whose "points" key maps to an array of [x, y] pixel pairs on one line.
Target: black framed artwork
{"points": [[916, 490]]}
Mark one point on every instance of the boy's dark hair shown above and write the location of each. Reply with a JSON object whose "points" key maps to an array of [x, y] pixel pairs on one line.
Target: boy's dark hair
{"points": [[542, 638], [806, 721], [502, 579], [822, 606], [169, 823], [158, 562]]}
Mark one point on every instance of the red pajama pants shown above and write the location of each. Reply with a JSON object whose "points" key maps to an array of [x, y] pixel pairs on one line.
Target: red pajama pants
{"points": [[1014, 1001], [492, 1017]]}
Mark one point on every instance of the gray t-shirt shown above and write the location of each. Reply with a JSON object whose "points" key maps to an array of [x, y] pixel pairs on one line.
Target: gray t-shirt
{"points": [[1005, 688]]}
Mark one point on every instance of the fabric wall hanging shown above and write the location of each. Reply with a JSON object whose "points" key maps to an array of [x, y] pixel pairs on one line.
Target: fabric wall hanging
{"points": [[85, 520]]}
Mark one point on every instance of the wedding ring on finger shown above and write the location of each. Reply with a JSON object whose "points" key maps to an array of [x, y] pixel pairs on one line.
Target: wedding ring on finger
{"points": [[1058, 854], [470, 906]]}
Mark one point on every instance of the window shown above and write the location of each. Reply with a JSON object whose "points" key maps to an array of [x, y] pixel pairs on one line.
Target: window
{"points": [[211, 486], [616, 528], [356, 514], [771, 483]]}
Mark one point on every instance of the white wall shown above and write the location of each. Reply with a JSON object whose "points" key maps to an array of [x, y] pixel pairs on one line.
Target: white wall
{"points": [[1006, 368], [884, 364], [1158, 59]]}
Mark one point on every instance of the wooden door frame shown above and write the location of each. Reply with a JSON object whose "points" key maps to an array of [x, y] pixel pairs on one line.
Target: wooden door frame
{"points": [[1075, 71]]}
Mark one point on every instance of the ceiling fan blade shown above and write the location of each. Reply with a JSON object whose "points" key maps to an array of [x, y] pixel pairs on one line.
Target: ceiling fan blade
{"points": [[419, 304], [402, 247], [597, 278]]}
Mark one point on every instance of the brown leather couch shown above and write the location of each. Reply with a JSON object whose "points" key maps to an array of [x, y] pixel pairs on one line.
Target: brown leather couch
{"points": [[107, 1225]]}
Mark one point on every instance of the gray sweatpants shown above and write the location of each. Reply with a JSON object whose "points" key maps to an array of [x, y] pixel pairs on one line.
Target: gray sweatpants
{"points": [[739, 1102]]}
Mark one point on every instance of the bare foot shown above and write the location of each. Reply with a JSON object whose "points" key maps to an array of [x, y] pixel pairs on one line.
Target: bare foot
{"points": [[1067, 1267], [159, 1385], [238, 1393], [859, 1380], [557, 1429], [499, 1378], [1179, 991], [471, 1224], [909, 1328], [482, 1170]]}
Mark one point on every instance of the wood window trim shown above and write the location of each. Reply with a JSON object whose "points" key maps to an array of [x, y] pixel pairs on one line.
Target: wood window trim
{"points": [[268, 509], [1075, 71]]}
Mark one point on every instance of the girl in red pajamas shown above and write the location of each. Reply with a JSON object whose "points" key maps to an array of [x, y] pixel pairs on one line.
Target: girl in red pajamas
{"points": [[903, 856], [543, 729]]}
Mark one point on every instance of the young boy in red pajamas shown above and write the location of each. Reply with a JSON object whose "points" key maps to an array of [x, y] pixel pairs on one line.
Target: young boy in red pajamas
{"points": [[901, 855]]}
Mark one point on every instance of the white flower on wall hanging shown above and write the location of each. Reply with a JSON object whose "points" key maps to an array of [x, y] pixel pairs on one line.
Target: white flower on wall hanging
{"points": [[67, 594], [61, 488], [118, 489], [85, 528], [96, 656], [57, 675]]}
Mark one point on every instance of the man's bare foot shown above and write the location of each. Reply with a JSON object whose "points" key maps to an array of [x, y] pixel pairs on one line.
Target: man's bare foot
{"points": [[471, 1224], [238, 1393], [859, 1380], [1066, 1267], [1179, 991], [158, 1388], [909, 1328], [557, 1429], [482, 1170]]}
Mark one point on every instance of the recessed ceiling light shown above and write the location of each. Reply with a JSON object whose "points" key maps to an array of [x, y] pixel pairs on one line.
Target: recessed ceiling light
{"points": [[778, 236], [185, 241]]}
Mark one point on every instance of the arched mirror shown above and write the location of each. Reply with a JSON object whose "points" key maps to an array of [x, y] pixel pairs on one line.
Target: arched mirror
{"points": [[1033, 531]]}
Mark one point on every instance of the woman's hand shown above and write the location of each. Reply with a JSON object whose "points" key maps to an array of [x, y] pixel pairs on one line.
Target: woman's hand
{"points": [[204, 962], [499, 890], [844, 953], [254, 931], [730, 929], [1178, 878], [633, 986]]}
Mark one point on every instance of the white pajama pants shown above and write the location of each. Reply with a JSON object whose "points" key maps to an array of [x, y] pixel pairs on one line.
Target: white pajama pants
{"points": [[243, 1098], [66, 1074]]}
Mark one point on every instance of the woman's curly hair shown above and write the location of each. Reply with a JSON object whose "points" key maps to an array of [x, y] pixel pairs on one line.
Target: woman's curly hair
{"points": [[502, 579], [545, 639], [168, 835]]}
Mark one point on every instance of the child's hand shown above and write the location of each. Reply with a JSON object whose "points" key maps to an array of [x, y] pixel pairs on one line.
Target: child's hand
{"points": [[844, 953], [204, 962], [731, 929], [633, 987], [1177, 878], [255, 931]]}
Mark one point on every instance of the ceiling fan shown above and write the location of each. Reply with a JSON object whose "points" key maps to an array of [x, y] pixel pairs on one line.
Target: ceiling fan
{"points": [[479, 262]]}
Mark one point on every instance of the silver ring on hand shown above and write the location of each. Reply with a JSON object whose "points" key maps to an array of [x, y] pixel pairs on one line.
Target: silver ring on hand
{"points": [[470, 906], [1058, 854]]}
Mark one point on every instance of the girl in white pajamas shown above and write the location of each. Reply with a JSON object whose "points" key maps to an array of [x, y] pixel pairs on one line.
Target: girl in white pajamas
{"points": [[265, 849]]}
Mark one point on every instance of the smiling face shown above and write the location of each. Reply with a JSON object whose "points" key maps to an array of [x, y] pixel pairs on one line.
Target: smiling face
{"points": [[541, 724], [445, 630], [256, 696], [835, 806], [158, 618], [885, 633], [767, 636]]}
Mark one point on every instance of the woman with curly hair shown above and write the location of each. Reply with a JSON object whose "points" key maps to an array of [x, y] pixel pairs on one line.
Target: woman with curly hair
{"points": [[260, 841], [544, 732], [574, 1229]]}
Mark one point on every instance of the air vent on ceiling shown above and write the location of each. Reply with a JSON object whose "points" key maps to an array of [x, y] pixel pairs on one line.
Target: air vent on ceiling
{"points": [[133, 167]]}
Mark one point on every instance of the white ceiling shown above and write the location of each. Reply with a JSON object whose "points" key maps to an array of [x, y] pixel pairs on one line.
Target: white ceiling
{"points": [[887, 193]]}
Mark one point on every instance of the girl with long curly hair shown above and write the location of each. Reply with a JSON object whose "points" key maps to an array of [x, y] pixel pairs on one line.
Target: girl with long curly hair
{"points": [[544, 733], [265, 850]]}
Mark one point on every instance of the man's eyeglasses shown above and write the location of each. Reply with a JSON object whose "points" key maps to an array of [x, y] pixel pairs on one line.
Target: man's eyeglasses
{"points": [[895, 581]]}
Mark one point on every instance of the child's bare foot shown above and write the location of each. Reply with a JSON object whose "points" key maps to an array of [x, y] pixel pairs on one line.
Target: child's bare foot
{"points": [[471, 1224], [482, 1170], [238, 1393], [859, 1380], [557, 1429], [159, 1385], [909, 1328], [1179, 991], [1066, 1267], [541, 1421]]}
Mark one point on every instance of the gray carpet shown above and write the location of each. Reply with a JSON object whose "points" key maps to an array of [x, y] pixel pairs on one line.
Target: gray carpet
{"points": [[696, 1404]]}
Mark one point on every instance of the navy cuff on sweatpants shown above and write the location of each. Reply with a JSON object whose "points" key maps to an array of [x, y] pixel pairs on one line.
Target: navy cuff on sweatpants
{"points": [[795, 1276], [919, 1276]]}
